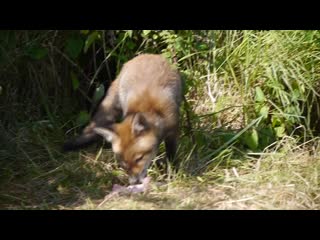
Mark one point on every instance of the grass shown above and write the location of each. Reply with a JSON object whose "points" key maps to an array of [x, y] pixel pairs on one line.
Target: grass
{"points": [[285, 179], [254, 101]]}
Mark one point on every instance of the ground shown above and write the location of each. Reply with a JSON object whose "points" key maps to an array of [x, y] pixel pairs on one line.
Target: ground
{"points": [[286, 179]]}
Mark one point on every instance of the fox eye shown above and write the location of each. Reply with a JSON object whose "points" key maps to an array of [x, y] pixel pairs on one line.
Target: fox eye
{"points": [[138, 159]]}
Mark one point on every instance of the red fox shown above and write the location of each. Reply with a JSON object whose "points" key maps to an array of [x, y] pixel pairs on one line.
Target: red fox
{"points": [[147, 95]]}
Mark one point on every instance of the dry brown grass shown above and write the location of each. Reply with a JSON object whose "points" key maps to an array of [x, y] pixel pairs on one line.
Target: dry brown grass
{"points": [[285, 180], [284, 177]]}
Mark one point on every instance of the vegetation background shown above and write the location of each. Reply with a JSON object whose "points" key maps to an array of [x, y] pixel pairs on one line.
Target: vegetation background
{"points": [[252, 96]]}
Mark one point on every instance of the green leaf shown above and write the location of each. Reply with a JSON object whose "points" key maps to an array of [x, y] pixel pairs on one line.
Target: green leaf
{"points": [[203, 47], [131, 45], [75, 81], [227, 136], [266, 137], [73, 47], [84, 32], [146, 32], [36, 52], [91, 38], [280, 131], [129, 32], [83, 118], [167, 54], [99, 93], [252, 139], [296, 95], [276, 121], [264, 111], [259, 97]]}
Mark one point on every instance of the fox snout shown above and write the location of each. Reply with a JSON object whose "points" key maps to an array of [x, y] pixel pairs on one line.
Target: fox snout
{"points": [[138, 178]]}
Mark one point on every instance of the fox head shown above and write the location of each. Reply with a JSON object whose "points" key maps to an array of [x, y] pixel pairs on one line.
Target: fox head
{"points": [[134, 142]]}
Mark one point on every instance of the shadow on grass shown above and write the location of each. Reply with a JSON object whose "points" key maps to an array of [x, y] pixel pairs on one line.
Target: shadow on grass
{"points": [[39, 176]]}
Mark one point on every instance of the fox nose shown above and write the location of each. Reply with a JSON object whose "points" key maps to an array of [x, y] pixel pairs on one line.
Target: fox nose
{"points": [[138, 179], [134, 180]]}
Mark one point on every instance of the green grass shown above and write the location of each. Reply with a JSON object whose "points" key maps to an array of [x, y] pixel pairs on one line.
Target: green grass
{"points": [[254, 101]]}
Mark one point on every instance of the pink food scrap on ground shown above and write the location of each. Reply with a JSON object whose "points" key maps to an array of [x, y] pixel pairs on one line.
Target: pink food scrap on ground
{"points": [[137, 188]]}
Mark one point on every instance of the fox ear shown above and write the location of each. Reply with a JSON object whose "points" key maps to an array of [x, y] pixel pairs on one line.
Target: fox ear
{"points": [[108, 133], [139, 124]]}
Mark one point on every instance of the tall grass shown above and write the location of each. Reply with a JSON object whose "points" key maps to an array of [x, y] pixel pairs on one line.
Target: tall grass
{"points": [[250, 75]]}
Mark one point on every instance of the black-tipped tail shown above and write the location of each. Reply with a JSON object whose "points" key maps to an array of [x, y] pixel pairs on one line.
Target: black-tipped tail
{"points": [[82, 141]]}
